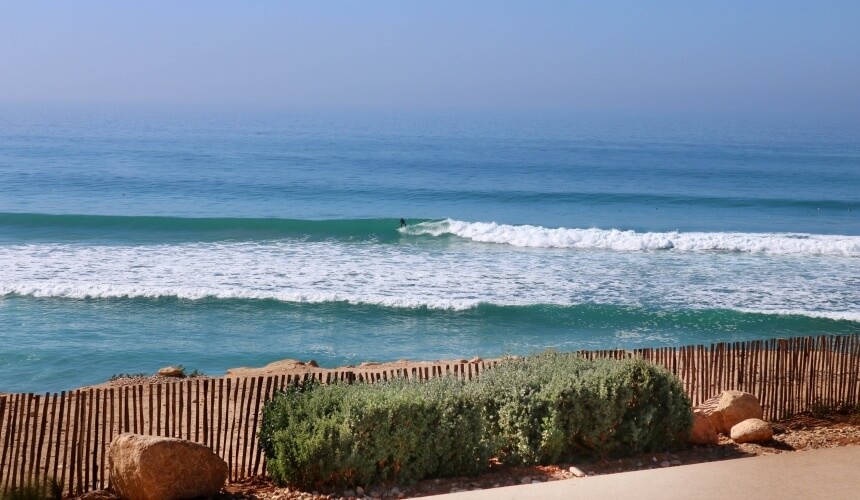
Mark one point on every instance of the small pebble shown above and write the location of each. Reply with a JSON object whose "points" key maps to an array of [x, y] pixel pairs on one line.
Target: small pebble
{"points": [[526, 480], [665, 463], [576, 471]]}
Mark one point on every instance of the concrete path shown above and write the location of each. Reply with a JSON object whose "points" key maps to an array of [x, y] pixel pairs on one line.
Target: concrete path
{"points": [[832, 473]]}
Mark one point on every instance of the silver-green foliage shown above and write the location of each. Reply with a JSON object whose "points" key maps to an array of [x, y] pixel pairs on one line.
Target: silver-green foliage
{"points": [[552, 405], [358, 434], [536, 410]]}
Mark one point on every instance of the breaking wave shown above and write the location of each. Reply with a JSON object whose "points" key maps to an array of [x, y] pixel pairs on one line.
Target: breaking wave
{"points": [[620, 240]]}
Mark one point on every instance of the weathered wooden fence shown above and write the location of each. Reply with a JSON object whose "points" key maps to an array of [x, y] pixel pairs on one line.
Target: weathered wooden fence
{"points": [[65, 436]]}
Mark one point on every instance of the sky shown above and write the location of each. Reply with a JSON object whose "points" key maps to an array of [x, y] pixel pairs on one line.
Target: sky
{"points": [[720, 56]]}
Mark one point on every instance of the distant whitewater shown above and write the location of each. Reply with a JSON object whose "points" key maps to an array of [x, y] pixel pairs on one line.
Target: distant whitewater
{"points": [[442, 265]]}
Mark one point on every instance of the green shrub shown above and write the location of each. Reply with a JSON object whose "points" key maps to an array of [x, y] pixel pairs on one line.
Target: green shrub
{"points": [[535, 410], [549, 406], [35, 490], [398, 431]]}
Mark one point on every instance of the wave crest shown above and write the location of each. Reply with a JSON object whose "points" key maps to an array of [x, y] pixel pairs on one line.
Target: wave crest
{"points": [[389, 302], [70, 291], [615, 239]]}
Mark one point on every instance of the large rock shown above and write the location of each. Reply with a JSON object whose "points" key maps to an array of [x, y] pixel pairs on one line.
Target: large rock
{"points": [[172, 371], [733, 408], [703, 432], [752, 430], [154, 468]]}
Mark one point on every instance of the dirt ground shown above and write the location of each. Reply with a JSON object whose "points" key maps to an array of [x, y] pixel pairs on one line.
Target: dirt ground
{"points": [[803, 432]]}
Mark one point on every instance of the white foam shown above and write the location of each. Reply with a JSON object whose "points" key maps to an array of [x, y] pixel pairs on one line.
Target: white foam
{"points": [[834, 315], [457, 277], [614, 239]]}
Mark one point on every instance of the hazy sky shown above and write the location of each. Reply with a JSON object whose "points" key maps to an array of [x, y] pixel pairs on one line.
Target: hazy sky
{"points": [[733, 56]]}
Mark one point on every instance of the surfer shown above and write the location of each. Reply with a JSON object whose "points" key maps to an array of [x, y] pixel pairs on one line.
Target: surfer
{"points": [[402, 222]]}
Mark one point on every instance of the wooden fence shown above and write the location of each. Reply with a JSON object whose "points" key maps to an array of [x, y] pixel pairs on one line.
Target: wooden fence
{"points": [[65, 436]]}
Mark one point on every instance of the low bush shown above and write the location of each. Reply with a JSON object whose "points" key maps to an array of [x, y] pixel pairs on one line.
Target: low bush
{"points": [[550, 406], [35, 490], [539, 409], [359, 434]]}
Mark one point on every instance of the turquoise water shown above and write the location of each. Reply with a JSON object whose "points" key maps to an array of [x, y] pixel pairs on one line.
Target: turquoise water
{"points": [[136, 239]]}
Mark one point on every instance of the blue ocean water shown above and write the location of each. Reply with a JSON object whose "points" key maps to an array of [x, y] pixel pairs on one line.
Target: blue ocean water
{"points": [[134, 239]]}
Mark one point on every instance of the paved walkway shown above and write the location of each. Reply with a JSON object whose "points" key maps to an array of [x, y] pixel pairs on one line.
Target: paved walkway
{"points": [[832, 473]]}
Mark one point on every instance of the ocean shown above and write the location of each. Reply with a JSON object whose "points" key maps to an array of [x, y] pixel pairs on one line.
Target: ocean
{"points": [[134, 239]]}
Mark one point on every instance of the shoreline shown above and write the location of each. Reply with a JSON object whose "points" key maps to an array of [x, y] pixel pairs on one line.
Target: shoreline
{"points": [[292, 367]]}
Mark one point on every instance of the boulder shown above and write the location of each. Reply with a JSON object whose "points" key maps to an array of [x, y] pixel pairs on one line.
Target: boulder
{"points": [[273, 368], [733, 408], [703, 432], [172, 371], [152, 468], [751, 430]]}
